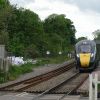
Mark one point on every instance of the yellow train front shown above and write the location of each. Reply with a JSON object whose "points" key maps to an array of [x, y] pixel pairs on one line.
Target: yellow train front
{"points": [[85, 55]]}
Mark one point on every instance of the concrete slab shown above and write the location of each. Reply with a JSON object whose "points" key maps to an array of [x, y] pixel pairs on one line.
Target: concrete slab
{"points": [[85, 86], [51, 97], [72, 98], [48, 97], [26, 96]]}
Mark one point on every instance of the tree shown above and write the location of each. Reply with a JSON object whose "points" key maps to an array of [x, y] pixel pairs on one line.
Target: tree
{"points": [[4, 3], [5, 13], [96, 34], [25, 28], [62, 27], [24, 34], [4, 37], [81, 38]]}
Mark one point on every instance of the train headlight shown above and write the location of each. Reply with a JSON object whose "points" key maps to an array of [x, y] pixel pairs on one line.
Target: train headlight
{"points": [[78, 55], [92, 54]]}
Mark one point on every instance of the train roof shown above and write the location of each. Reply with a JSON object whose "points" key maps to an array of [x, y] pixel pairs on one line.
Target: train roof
{"points": [[85, 42]]}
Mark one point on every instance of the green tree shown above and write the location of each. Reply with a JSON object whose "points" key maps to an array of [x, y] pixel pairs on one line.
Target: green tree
{"points": [[25, 28], [4, 37], [4, 3], [62, 27], [24, 34], [96, 34], [81, 38], [5, 15]]}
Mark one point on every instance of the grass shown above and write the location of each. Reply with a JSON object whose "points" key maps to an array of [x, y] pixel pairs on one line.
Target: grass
{"points": [[99, 87], [2, 77], [16, 71], [57, 60]]}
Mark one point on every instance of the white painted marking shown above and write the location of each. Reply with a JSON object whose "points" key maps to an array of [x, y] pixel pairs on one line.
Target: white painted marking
{"points": [[22, 94]]}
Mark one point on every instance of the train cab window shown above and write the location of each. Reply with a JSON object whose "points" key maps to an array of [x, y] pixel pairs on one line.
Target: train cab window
{"points": [[85, 49]]}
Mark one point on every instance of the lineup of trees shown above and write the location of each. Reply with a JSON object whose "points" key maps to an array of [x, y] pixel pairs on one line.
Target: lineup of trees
{"points": [[24, 34], [81, 38]]}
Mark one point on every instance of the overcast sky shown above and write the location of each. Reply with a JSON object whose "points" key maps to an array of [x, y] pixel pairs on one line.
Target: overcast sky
{"points": [[85, 14]]}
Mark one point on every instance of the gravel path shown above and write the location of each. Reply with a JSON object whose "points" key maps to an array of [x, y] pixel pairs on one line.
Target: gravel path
{"points": [[85, 86]]}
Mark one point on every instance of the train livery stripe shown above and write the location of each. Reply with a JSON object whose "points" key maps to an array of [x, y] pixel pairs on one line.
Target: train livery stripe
{"points": [[85, 59]]}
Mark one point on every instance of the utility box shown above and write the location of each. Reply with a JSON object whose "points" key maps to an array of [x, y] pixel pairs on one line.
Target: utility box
{"points": [[4, 64], [2, 51], [2, 58]]}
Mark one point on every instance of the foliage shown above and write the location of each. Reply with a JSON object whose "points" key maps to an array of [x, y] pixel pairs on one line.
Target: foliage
{"points": [[61, 32], [16, 71], [24, 34], [2, 78], [57, 60], [96, 34], [5, 15], [81, 38]]}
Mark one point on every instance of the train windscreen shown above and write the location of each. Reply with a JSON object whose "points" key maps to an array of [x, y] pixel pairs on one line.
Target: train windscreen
{"points": [[85, 49]]}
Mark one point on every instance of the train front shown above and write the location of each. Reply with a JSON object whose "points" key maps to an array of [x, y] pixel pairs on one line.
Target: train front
{"points": [[86, 52]]}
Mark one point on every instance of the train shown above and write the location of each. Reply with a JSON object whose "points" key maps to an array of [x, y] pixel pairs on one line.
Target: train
{"points": [[86, 55]]}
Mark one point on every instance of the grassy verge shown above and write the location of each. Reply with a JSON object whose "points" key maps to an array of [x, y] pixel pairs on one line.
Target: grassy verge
{"points": [[54, 60], [98, 87], [16, 71]]}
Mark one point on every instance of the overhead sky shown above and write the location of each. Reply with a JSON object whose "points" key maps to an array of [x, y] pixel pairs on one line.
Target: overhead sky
{"points": [[85, 14]]}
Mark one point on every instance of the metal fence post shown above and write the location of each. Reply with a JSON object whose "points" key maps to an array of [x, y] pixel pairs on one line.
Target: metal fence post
{"points": [[90, 87], [96, 90]]}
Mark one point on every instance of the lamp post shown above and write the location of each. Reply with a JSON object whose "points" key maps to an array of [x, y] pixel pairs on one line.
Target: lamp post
{"points": [[48, 53], [60, 52]]}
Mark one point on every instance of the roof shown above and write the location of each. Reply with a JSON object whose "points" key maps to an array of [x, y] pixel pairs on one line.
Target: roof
{"points": [[88, 41]]}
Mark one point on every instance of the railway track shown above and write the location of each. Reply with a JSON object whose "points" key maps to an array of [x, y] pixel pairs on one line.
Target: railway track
{"points": [[66, 87], [63, 80], [24, 85]]}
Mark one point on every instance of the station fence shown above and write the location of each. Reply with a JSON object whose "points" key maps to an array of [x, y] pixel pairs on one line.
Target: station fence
{"points": [[93, 86]]}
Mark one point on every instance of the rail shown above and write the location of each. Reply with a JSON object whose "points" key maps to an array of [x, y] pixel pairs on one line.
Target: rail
{"points": [[22, 85], [75, 75]]}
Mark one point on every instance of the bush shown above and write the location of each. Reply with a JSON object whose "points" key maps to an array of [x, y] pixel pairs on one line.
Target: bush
{"points": [[15, 71]]}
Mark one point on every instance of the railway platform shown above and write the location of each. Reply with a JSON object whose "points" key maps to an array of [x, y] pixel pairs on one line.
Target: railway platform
{"points": [[47, 97], [85, 86]]}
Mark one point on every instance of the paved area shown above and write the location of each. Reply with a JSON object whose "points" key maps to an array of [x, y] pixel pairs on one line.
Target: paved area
{"points": [[26, 96], [85, 86]]}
